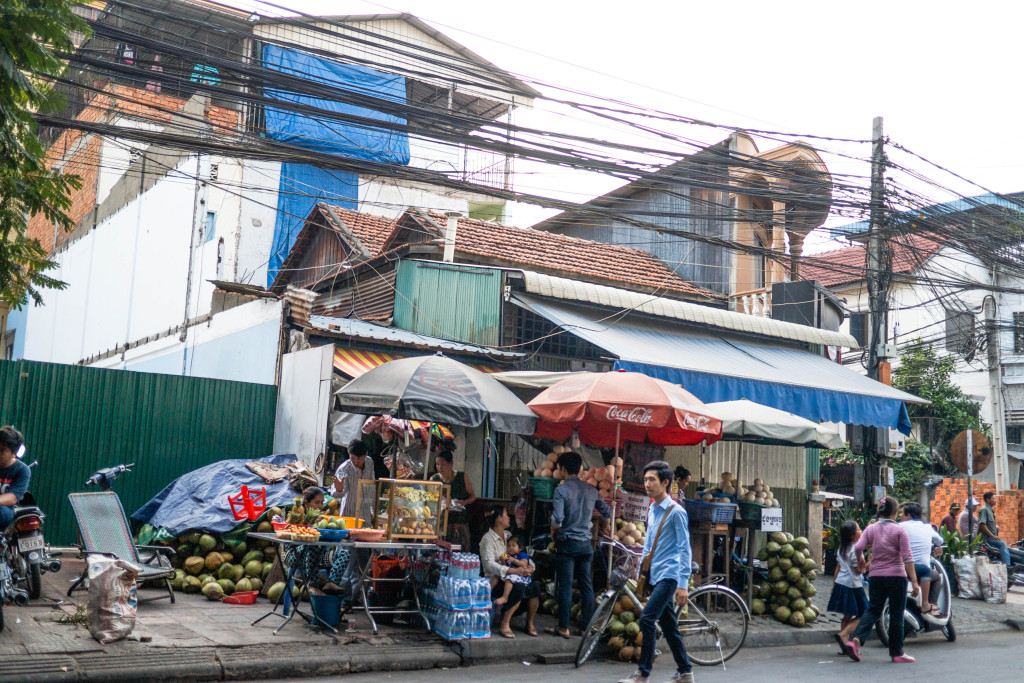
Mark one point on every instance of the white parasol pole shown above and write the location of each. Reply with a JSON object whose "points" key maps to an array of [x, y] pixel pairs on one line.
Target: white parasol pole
{"points": [[615, 477]]}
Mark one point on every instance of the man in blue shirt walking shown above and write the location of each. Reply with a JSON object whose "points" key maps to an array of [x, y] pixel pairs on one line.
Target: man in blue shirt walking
{"points": [[670, 574], [573, 506]]}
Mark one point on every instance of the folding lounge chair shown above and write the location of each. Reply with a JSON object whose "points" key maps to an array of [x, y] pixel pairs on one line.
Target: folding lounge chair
{"points": [[104, 531]]}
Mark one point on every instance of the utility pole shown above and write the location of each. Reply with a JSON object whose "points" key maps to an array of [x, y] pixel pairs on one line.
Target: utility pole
{"points": [[995, 387], [876, 447]]}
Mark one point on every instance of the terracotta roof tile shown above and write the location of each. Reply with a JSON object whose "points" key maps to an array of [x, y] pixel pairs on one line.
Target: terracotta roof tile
{"points": [[541, 249], [848, 265], [370, 229]]}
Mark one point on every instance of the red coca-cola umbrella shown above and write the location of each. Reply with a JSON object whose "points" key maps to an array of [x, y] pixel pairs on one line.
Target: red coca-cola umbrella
{"points": [[608, 409]]}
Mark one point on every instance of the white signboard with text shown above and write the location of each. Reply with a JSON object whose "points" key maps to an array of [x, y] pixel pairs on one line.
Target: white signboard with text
{"points": [[771, 519], [632, 507]]}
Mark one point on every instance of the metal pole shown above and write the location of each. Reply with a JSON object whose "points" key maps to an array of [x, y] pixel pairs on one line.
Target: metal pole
{"points": [[615, 476], [970, 489]]}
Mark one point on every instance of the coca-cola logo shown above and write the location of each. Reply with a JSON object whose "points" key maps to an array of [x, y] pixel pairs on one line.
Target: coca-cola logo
{"points": [[699, 423], [637, 416]]}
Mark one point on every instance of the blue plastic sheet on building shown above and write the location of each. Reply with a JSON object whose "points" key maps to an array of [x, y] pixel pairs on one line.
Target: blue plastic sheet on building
{"points": [[199, 499], [301, 187], [330, 135]]}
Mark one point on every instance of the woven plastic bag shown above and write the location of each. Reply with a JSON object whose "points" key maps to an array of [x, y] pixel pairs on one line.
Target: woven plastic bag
{"points": [[992, 580], [113, 598], [967, 576]]}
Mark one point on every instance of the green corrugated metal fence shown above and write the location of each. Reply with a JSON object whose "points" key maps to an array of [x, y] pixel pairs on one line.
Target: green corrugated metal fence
{"points": [[77, 420], [450, 301]]}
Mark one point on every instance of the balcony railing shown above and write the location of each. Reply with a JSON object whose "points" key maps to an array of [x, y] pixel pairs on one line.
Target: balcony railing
{"points": [[754, 302]]}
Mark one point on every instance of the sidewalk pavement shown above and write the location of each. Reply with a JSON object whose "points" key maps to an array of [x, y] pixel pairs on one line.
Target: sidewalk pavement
{"points": [[195, 639]]}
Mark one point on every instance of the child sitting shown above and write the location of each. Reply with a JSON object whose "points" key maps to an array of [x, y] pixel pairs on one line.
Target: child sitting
{"points": [[514, 557]]}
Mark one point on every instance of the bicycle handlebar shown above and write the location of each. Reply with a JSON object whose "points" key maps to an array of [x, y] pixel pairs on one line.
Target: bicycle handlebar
{"points": [[619, 545]]}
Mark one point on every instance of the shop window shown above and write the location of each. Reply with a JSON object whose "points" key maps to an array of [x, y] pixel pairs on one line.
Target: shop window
{"points": [[960, 332], [859, 327], [211, 226], [1018, 332]]}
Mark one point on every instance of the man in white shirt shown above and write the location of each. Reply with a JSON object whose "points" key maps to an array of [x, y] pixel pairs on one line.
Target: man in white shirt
{"points": [[346, 481], [923, 538]]}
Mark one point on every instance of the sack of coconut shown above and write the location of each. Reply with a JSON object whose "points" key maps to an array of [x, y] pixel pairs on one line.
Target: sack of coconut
{"points": [[967, 576], [992, 580], [113, 599]]}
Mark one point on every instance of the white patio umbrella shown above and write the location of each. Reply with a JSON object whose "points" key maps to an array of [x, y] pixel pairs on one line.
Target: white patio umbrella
{"points": [[749, 422]]}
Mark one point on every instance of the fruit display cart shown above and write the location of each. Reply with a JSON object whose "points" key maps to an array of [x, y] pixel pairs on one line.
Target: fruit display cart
{"points": [[407, 510]]}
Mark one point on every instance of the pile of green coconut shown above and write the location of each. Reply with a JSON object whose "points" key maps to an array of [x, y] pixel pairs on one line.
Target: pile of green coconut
{"points": [[787, 594], [218, 567]]}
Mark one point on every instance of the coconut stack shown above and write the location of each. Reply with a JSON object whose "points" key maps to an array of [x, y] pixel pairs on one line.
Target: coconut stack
{"points": [[729, 485], [788, 593], [624, 629]]}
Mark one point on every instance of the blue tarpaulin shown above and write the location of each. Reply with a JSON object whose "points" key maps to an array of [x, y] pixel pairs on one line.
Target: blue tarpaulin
{"points": [[330, 135], [302, 186], [199, 499]]}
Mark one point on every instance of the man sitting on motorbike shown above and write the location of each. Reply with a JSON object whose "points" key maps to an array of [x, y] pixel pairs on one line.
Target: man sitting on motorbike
{"points": [[990, 532], [924, 540], [14, 474]]}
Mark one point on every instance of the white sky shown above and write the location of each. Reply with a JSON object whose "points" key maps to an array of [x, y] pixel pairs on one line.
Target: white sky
{"points": [[945, 76]]}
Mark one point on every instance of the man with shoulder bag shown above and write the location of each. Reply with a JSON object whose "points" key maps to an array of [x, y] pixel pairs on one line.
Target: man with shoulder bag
{"points": [[665, 572]]}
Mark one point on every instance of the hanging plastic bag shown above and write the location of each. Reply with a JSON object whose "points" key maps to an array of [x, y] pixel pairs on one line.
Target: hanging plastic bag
{"points": [[967, 576], [991, 580], [113, 598]]}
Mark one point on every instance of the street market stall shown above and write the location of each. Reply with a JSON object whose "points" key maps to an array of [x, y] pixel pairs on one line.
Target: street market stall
{"points": [[751, 423], [609, 409]]}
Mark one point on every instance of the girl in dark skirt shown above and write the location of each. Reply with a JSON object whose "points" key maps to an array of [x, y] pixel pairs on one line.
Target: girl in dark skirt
{"points": [[848, 596]]}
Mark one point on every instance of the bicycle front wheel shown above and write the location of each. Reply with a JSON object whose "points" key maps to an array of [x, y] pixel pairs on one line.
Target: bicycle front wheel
{"points": [[595, 629], [713, 624]]}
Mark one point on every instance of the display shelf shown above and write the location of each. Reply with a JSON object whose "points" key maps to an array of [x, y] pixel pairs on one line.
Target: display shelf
{"points": [[408, 509]]}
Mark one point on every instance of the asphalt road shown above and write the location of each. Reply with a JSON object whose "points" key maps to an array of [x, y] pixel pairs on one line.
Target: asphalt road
{"points": [[991, 656]]}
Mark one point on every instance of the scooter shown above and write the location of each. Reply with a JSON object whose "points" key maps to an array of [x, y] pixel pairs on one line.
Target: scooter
{"points": [[25, 550], [914, 621], [1015, 572], [10, 593]]}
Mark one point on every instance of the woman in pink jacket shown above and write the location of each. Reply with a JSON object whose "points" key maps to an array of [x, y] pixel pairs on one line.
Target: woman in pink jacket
{"points": [[891, 563]]}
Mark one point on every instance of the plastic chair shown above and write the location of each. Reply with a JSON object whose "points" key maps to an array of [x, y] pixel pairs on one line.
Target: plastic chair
{"points": [[104, 530]]}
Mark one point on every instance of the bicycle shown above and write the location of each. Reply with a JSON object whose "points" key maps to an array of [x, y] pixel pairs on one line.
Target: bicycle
{"points": [[713, 622]]}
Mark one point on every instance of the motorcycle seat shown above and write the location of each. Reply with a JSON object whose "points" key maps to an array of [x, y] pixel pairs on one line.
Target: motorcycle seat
{"points": [[30, 510]]}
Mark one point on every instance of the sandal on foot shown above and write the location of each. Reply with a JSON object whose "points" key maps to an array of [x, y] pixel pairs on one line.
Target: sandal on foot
{"points": [[551, 630], [903, 659], [842, 643], [853, 651], [508, 634], [532, 632]]}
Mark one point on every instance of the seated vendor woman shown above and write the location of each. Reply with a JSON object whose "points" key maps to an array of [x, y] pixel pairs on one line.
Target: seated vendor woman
{"points": [[492, 547]]}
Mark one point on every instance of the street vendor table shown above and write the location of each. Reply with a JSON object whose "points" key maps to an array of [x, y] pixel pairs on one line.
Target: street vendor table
{"points": [[366, 579]]}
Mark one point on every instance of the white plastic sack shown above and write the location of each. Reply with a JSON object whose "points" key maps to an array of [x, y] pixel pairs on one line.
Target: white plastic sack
{"points": [[967, 576], [113, 598], [992, 579]]}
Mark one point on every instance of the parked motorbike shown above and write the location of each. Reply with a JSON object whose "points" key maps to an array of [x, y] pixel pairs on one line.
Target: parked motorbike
{"points": [[10, 593], [914, 621], [1015, 572], [25, 551]]}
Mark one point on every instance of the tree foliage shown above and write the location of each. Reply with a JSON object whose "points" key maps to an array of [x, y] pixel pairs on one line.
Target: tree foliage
{"points": [[924, 373], [909, 470], [32, 32]]}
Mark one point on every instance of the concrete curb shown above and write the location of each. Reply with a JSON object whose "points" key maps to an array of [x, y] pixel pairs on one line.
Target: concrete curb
{"points": [[271, 662]]}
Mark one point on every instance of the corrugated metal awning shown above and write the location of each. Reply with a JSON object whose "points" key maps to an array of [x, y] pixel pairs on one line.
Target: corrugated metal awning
{"points": [[716, 369], [353, 362], [361, 329], [564, 288]]}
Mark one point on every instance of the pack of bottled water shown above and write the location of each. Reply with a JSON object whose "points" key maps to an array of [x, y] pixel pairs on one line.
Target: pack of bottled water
{"points": [[464, 565], [461, 594], [460, 624]]}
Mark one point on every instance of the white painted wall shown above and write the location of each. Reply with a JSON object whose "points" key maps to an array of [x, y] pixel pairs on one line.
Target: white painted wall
{"points": [[254, 236], [303, 403], [389, 197], [239, 344], [919, 311], [126, 278]]}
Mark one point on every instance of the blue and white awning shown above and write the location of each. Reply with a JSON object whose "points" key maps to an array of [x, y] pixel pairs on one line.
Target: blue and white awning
{"points": [[714, 369]]}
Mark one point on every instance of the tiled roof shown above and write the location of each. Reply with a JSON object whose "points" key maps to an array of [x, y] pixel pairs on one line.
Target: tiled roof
{"points": [[371, 230], [848, 265], [570, 255]]}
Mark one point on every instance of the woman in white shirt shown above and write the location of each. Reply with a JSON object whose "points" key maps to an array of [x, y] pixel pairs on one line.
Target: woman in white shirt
{"points": [[492, 547]]}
